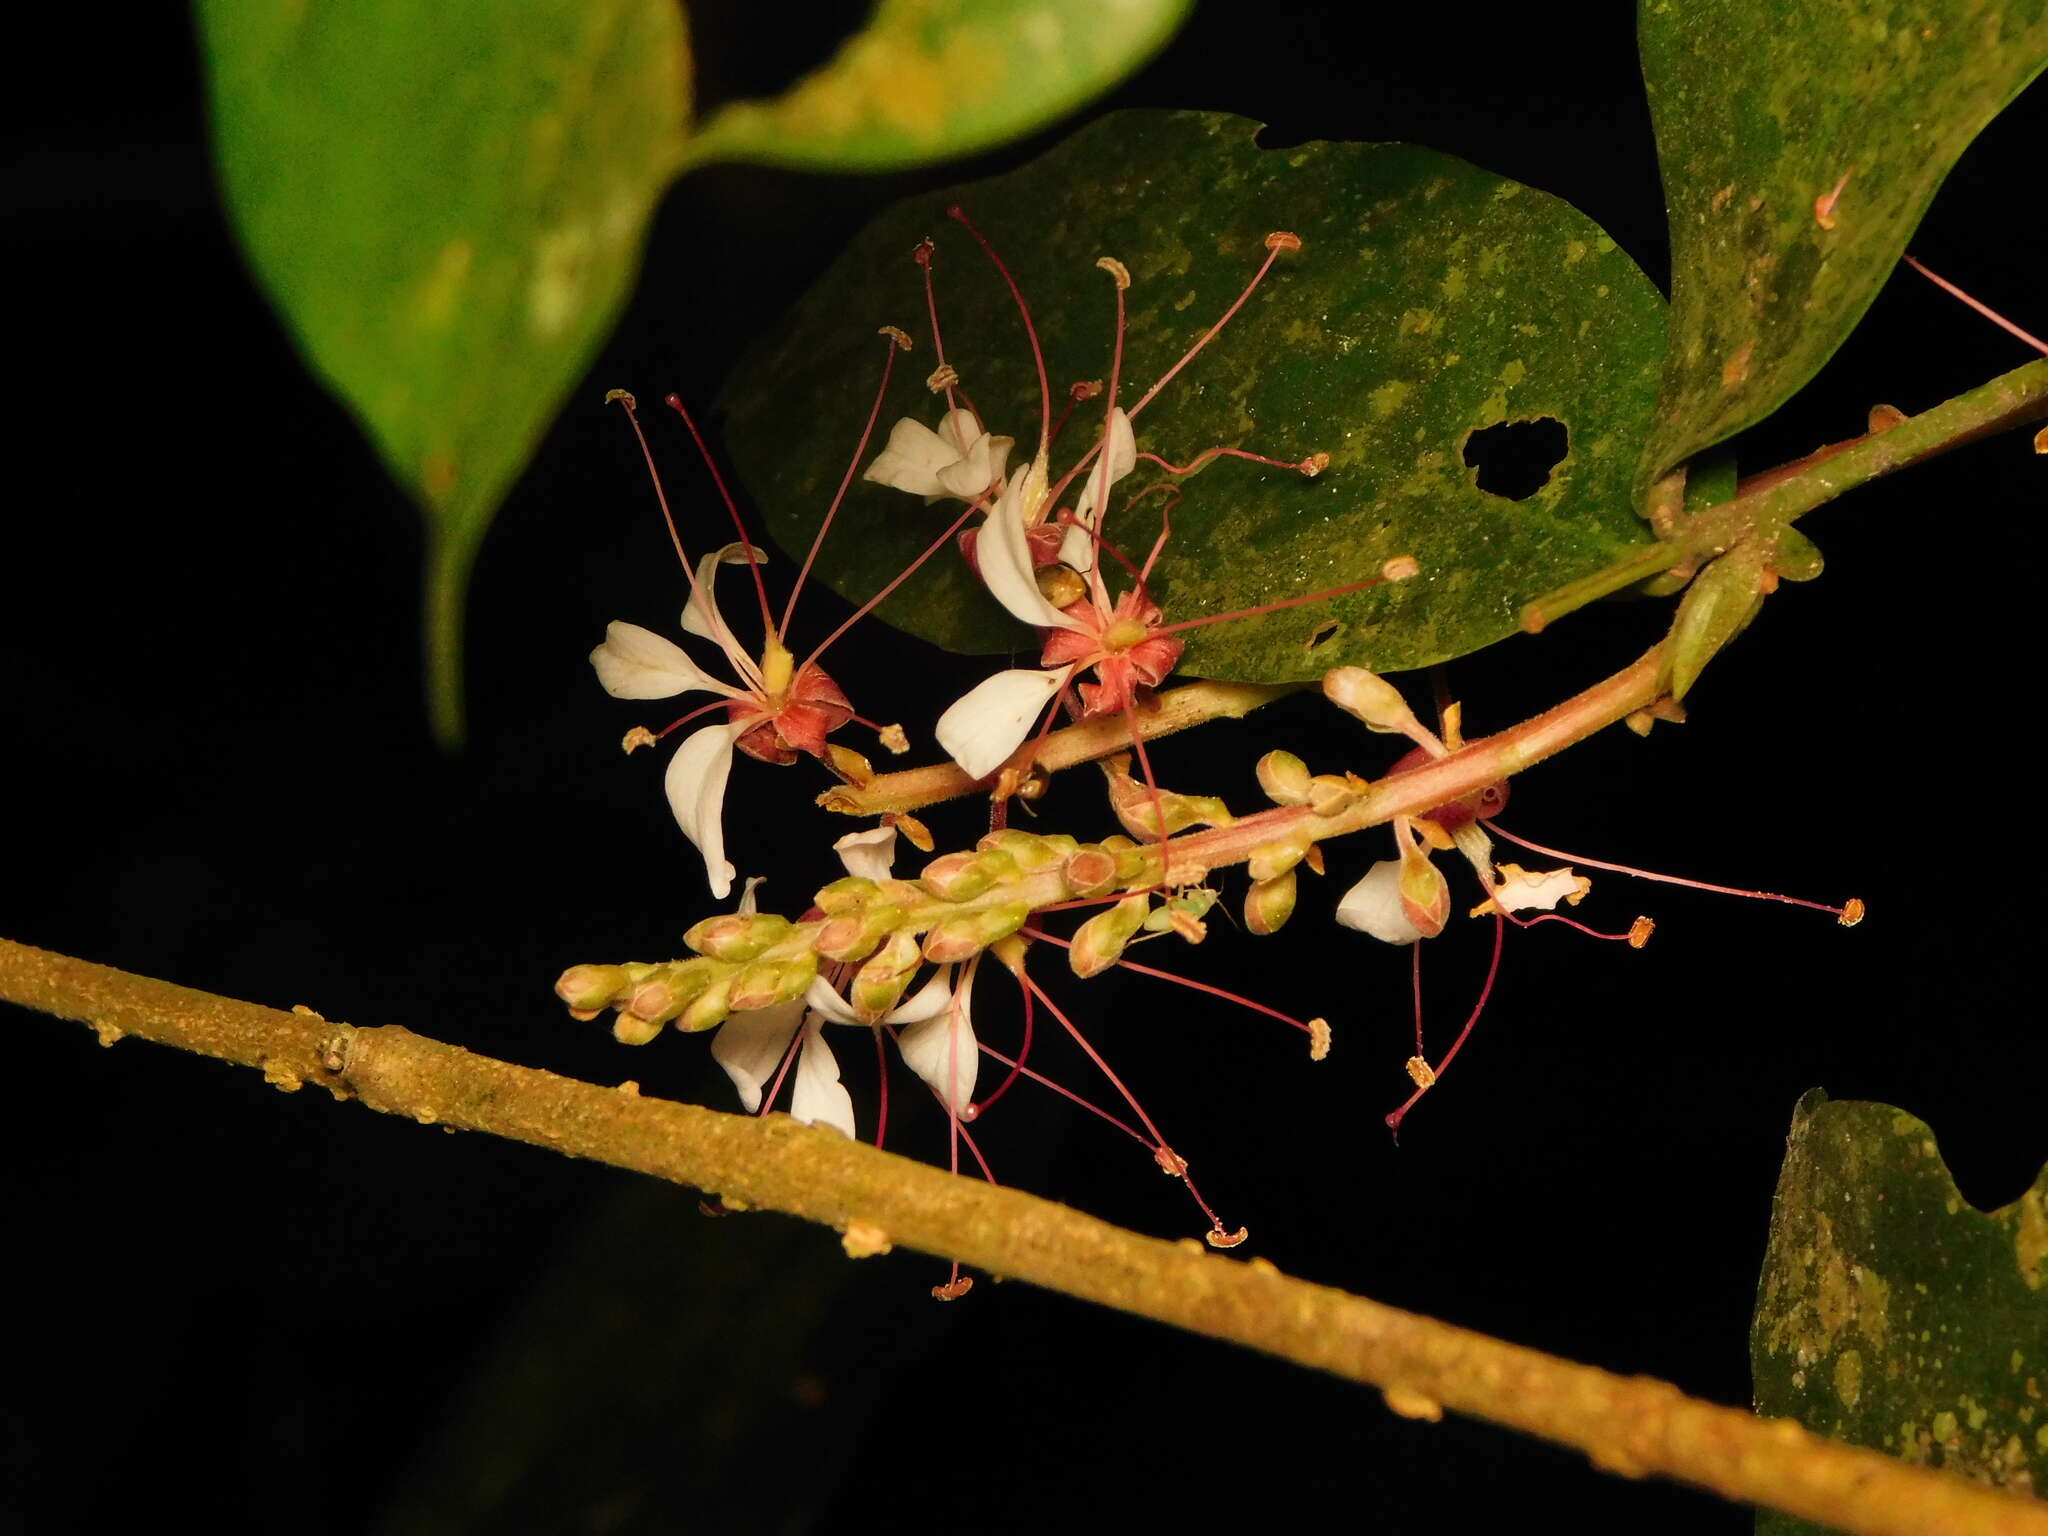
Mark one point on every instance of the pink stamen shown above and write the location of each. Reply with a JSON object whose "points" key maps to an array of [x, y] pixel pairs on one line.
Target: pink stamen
{"points": [[1252, 613], [867, 432], [1173, 498], [1415, 951], [1037, 356], [703, 600], [1179, 981], [1839, 913], [882, 596], [1272, 255], [675, 403], [1983, 309], [882, 1077], [1394, 1120], [1116, 367], [1315, 464], [1569, 922], [701, 709], [923, 256], [796, 1043], [1093, 1055], [1152, 785], [1017, 1066], [1066, 1093], [1076, 393]]}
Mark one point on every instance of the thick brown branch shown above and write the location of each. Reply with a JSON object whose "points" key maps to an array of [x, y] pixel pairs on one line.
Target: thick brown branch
{"points": [[1633, 1426]]}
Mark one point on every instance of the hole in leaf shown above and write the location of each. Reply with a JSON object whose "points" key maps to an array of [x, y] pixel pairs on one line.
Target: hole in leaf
{"points": [[1324, 633], [1515, 458]]}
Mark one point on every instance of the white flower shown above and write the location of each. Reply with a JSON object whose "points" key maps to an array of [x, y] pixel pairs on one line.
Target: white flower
{"points": [[989, 722], [1538, 890], [636, 663], [868, 854], [751, 1046], [958, 460], [695, 785], [1119, 456], [1374, 906], [942, 1050]]}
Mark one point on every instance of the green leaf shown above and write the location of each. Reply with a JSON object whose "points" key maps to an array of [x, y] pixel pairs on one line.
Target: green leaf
{"points": [[1762, 110], [1894, 1314], [448, 204], [1430, 300], [931, 78]]}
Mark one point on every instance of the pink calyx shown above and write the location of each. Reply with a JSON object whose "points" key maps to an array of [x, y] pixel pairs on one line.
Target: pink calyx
{"points": [[1122, 645]]}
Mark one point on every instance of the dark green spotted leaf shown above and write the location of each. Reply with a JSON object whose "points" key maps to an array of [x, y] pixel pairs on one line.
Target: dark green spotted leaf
{"points": [[1801, 143], [930, 78], [1894, 1314], [1430, 301], [447, 203]]}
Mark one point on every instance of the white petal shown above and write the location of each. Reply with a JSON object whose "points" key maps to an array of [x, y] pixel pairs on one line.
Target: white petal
{"points": [[636, 663], [1004, 554], [1118, 458], [746, 908], [695, 782], [1538, 890], [942, 1051], [868, 854], [980, 467], [912, 460], [696, 619], [928, 1000], [1374, 906], [1077, 548], [990, 721], [750, 1047], [819, 1098], [821, 999]]}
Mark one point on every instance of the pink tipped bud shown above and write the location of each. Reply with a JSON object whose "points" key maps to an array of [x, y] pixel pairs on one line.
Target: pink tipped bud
{"points": [[960, 938], [1090, 871], [1028, 852], [768, 982], [1269, 903], [1276, 858], [854, 935], [737, 936], [849, 894], [1370, 697], [958, 876], [1099, 942], [1331, 794], [708, 1008], [878, 985], [1284, 778], [592, 986], [1425, 894]]}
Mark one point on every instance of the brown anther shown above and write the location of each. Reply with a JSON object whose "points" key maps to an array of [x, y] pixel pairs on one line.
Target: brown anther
{"points": [[953, 1290], [923, 254], [1852, 912], [1084, 389], [1283, 240], [1187, 925], [893, 740], [1314, 464], [1402, 568], [942, 378], [896, 334], [1170, 1162], [1423, 1074], [623, 397], [919, 834], [1216, 1237], [1639, 932], [636, 738], [1824, 205], [1318, 1039], [1116, 269], [2041, 441]]}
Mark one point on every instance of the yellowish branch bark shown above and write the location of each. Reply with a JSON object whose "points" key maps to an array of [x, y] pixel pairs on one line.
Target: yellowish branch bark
{"points": [[1632, 1426]]}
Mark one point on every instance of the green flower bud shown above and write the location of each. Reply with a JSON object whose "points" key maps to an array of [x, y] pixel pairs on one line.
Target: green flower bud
{"points": [[1031, 852], [1099, 942], [1370, 697], [878, 985], [847, 895], [958, 876], [956, 938], [709, 1007], [1271, 860], [631, 1029], [1269, 903], [1330, 793], [737, 935], [1090, 871], [855, 935], [592, 986], [768, 982], [1284, 778]]}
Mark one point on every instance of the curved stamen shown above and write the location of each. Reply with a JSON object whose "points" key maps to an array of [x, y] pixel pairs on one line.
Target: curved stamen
{"points": [[1177, 980], [874, 414], [909, 570], [1288, 602], [1273, 249], [1436, 1073], [956, 212], [1017, 1066], [675, 403]]}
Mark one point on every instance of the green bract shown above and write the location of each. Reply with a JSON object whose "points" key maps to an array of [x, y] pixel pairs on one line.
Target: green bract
{"points": [[1430, 300]]}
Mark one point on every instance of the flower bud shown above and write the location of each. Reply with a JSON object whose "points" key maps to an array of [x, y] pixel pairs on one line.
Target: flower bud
{"points": [[878, 985], [768, 982], [737, 936], [854, 935], [708, 1008], [1090, 871], [1271, 860], [1330, 794], [1099, 942], [592, 986], [1284, 778], [1425, 894], [958, 876], [1033, 852], [957, 938], [850, 894], [1269, 903], [631, 1029], [1369, 696]]}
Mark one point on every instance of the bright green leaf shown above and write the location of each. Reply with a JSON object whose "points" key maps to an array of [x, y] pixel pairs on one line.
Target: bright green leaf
{"points": [[1762, 112], [1894, 1314], [1430, 300], [447, 203], [931, 78]]}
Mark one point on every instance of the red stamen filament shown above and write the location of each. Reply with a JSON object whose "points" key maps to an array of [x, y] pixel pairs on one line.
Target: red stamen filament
{"points": [[882, 1077], [1179, 981], [867, 432], [1499, 932], [1415, 950], [1030, 330], [923, 256], [880, 597], [701, 709], [1648, 874], [1017, 1066], [1272, 255], [731, 644], [1983, 309], [1209, 455], [1252, 613], [675, 403]]}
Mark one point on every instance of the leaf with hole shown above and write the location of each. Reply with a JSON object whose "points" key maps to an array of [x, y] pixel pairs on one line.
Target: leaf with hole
{"points": [[447, 204], [926, 79], [1430, 302], [1798, 157], [1892, 1313]]}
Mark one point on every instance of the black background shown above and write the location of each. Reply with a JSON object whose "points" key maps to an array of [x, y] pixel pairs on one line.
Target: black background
{"points": [[278, 1313]]}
